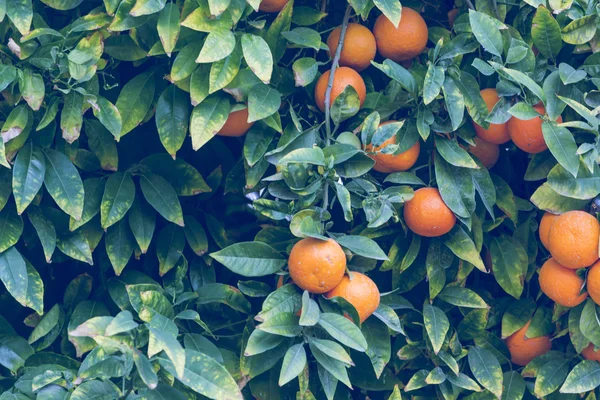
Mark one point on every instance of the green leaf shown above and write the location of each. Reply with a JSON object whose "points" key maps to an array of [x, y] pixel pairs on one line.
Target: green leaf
{"points": [[168, 27], [545, 32], [119, 245], [142, 221], [169, 247], [305, 71], [570, 75], [260, 341], [580, 31], [8, 74], [523, 79], [388, 316], [392, 9], [263, 101], [258, 56], [71, 118], [108, 114], [434, 79], [195, 235], [135, 100], [551, 376], [286, 299], [45, 231], [62, 4], [514, 385], [20, 13], [161, 195], [217, 45], [455, 102], [28, 175], [118, 197], [283, 324], [510, 262], [32, 88], [456, 187], [222, 73], [486, 369], [125, 49], [310, 313], [172, 118], [250, 259], [303, 37], [379, 348], [185, 179], [343, 331], [436, 325], [583, 378], [454, 154], [487, 31], [13, 273], [463, 247], [462, 297], [102, 144], [293, 363], [64, 183], [332, 366], [208, 118], [464, 381], [95, 389], [562, 146], [584, 186], [362, 246], [16, 122], [76, 246]]}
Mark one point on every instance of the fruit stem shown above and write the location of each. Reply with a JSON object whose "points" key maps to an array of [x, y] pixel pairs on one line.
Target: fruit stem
{"points": [[334, 65]]}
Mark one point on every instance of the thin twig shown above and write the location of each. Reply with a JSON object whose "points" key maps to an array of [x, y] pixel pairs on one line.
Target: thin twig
{"points": [[495, 8], [334, 65], [470, 5]]}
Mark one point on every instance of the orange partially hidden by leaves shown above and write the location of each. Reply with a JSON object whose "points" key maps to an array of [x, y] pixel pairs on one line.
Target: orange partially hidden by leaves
{"points": [[236, 124], [593, 282], [544, 231], [561, 284], [343, 77], [496, 133], [317, 265], [393, 162], [426, 214], [402, 43], [523, 350], [527, 134], [589, 354], [360, 291], [573, 239], [272, 6], [488, 153], [359, 46]]}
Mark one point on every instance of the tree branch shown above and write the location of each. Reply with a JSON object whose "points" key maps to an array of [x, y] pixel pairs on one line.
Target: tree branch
{"points": [[470, 5], [495, 8], [334, 65]]}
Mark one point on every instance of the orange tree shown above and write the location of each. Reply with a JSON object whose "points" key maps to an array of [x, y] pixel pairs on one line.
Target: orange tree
{"points": [[303, 199]]}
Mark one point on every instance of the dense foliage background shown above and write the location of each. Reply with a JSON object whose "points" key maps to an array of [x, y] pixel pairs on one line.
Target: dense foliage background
{"points": [[143, 257]]}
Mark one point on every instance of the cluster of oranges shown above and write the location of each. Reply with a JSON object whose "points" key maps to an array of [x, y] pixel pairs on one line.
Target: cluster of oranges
{"points": [[319, 266], [526, 134], [572, 239], [360, 46]]}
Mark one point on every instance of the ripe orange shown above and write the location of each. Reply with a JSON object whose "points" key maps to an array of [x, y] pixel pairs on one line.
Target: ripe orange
{"points": [[393, 162], [343, 77], [360, 291], [589, 354], [488, 153], [561, 284], [426, 214], [402, 43], [496, 133], [272, 6], [593, 282], [527, 134], [523, 350], [317, 265], [544, 231], [573, 239], [237, 124], [359, 46]]}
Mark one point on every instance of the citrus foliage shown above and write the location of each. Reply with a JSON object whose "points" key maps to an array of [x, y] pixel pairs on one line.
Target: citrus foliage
{"points": [[161, 160]]}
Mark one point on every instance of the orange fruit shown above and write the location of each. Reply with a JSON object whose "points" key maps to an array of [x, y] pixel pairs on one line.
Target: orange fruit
{"points": [[426, 214], [527, 134], [593, 282], [589, 354], [561, 284], [343, 77], [317, 265], [360, 291], [523, 350], [272, 6], [488, 153], [544, 231], [236, 124], [496, 133], [393, 162], [573, 239], [359, 46], [402, 43]]}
